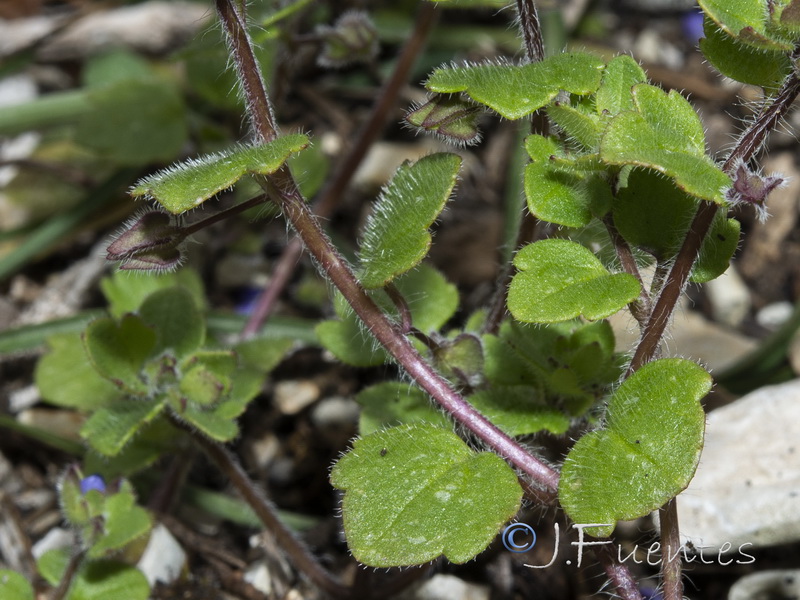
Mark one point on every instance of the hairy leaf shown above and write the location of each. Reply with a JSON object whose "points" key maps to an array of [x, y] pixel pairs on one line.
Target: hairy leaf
{"points": [[559, 280], [646, 453], [125, 293], [394, 403], [123, 522], [14, 586], [665, 134], [66, 378], [614, 94], [744, 20], [766, 68], [396, 237], [516, 91], [415, 492], [187, 185], [109, 429], [519, 410], [118, 350], [178, 323]]}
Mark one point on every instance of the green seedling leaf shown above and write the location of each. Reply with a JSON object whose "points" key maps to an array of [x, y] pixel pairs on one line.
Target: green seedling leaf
{"points": [[206, 376], [665, 134], [717, 250], [123, 522], [646, 453], [394, 403], [415, 492], [766, 68], [114, 66], [109, 429], [153, 441], [66, 378], [583, 126], [263, 353], [187, 185], [174, 316], [519, 410], [450, 116], [134, 121], [559, 280], [652, 214], [563, 197], [125, 292], [516, 91], [396, 237], [118, 350], [744, 20], [460, 359], [14, 586], [431, 299], [95, 580], [614, 94]]}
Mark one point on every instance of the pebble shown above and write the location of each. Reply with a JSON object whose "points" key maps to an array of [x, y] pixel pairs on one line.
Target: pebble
{"points": [[772, 316], [335, 411], [447, 587], [773, 584], [746, 487], [729, 297], [293, 396], [163, 559]]}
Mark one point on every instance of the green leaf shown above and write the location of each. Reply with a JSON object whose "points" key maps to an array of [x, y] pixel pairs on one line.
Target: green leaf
{"points": [[452, 117], [559, 280], [187, 185], [519, 410], [393, 403], [123, 522], [744, 20], [219, 427], [579, 125], [396, 237], [176, 320], [460, 359], [652, 214], [66, 378], [125, 292], [134, 122], [263, 353], [517, 91], [563, 197], [718, 248], [94, 580], [666, 135], [431, 299], [118, 350], [206, 377], [151, 442], [14, 586], [415, 492], [111, 427], [614, 94], [766, 68], [647, 451]]}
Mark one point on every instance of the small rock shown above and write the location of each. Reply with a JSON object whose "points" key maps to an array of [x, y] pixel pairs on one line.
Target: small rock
{"points": [[775, 585], [447, 587], [55, 539], [772, 316], [293, 396], [259, 577], [163, 559], [335, 412], [729, 297], [23, 398], [745, 490]]}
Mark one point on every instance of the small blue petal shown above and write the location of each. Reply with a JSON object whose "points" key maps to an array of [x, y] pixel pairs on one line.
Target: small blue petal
{"points": [[93, 482], [692, 26]]}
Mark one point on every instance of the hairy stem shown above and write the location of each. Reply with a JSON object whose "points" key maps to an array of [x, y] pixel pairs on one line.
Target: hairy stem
{"points": [[641, 307], [285, 538], [670, 557], [69, 574], [331, 194], [619, 575], [531, 30]]}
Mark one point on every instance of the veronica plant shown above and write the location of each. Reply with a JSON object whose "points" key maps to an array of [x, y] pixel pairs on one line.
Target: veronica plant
{"points": [[624, 157]]}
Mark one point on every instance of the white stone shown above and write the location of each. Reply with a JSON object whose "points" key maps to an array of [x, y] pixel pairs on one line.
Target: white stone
{"points": [[772, 316], [163, 559], [448, 587], [55, 539], [293, 396], [729, 297], [767, 584], [747, 487]]}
